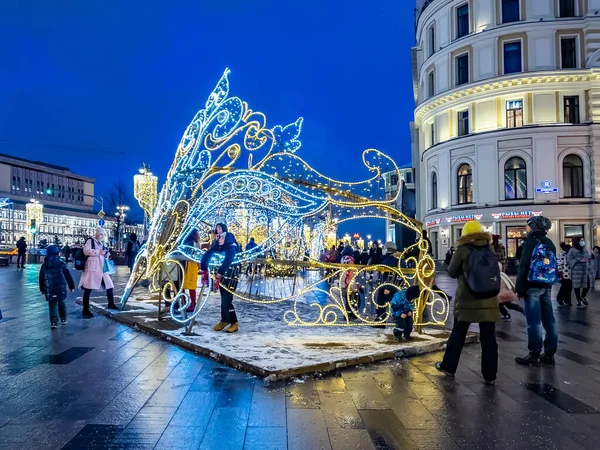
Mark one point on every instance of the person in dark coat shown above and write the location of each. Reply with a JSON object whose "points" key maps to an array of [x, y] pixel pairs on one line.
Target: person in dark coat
{"points": [[66, 252], [388, 288], [429, 244], [54, 278], [21, 252], [364, 257], [468, 309], [251, 245], [583, 270], [227, 275], [133, 248], [538, 303], [356, 254], [375, 254], [338, 255]]}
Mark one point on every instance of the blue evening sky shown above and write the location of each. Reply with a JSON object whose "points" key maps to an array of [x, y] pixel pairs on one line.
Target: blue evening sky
{"points": [[106, 84]]}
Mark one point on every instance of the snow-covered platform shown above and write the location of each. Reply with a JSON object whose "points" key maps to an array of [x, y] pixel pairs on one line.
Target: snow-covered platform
{"points": [[265, 344]]}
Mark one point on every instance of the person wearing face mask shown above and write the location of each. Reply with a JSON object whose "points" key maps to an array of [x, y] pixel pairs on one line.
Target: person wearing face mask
{"points": [[227, 277], [582, 270], [94, 276]]}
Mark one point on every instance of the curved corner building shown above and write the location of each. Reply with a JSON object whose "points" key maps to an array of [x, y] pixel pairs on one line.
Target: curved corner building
{"points": [[507, 122]]}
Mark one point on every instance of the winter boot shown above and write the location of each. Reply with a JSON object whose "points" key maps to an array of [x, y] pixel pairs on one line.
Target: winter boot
{"points": [[111, 299], [547, 359], [220, 326], [233, 328], [53, 326]]}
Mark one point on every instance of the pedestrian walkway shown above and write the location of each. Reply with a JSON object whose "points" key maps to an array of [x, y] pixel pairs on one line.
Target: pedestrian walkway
{"points": [[99, 384]]}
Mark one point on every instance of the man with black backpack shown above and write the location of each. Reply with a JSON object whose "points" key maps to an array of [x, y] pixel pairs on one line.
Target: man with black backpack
{"points": [[538, 271], [475, 265]]}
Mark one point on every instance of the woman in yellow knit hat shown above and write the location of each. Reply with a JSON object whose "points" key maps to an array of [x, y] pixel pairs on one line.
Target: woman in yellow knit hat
{"points": [[470, 309]]}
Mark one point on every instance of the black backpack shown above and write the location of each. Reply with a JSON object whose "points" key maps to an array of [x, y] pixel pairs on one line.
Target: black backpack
{"points": [[483, 277], [81, 258]]}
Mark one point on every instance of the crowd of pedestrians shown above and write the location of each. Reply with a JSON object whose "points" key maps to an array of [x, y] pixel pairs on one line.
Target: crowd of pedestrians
{"points": [[484, 290]]}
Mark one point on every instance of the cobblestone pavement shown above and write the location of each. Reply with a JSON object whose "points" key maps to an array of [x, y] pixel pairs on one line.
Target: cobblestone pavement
{"points": [[98, 384]]}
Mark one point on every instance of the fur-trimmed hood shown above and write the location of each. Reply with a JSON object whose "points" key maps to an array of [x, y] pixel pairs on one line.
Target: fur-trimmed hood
{"points": [[480, 239]]}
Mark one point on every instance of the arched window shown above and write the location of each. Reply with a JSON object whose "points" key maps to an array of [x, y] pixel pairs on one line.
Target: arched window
{"points": [[573, 176], [434, 191], [465, 184], [515, 179]]}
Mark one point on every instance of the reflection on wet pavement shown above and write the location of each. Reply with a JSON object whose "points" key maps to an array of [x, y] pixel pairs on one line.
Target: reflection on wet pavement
{"points": [[97, 384]]}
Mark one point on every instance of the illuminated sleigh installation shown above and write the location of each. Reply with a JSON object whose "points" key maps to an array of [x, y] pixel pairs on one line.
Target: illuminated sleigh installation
{"points": [[277, 193]]}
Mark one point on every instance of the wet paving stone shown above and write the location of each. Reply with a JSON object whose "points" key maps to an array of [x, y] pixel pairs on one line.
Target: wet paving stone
{"points": [[99, 385]]}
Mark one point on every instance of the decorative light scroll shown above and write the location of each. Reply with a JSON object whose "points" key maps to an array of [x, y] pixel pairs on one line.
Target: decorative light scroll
{"points": [[231, 167]]}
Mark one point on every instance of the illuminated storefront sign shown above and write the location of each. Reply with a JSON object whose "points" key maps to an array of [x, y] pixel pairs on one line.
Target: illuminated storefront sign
{"points": [[432, 223], [467, 218], [507, 215], [546, 188]]}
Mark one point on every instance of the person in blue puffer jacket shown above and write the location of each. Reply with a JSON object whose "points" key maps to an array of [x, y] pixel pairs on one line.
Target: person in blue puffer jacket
{"points": [[403, 306], [54, 278]]}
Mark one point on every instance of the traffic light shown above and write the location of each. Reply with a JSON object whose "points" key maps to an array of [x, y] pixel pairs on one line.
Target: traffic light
{"points": [[49, 191], [32, 227]]}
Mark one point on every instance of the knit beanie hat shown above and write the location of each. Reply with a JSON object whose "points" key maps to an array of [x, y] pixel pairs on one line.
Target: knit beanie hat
{"points": [[52, 250], [413, 292], [471, 227], [539, 223]]}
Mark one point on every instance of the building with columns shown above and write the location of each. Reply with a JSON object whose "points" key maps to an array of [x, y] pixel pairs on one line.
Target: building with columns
{"points": [[507, 117]]}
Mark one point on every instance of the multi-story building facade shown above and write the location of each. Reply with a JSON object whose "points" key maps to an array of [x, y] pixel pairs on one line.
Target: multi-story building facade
{"points": [[507, 118], [67, 200], [394, 183]]}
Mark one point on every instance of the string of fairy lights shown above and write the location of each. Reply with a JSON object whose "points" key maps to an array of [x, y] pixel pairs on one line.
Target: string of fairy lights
{"points": [[289, 208]]}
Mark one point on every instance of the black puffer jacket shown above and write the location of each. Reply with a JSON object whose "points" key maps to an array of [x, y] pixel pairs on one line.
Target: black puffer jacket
{"points": [[54, 277]]}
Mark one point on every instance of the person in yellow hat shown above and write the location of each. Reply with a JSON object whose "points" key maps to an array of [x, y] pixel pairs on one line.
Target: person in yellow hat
{"points": [[469, 306]]}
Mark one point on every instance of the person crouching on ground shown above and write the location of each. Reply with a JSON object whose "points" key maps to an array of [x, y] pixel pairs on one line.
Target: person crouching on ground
{"points": [[469, 309], [54, 277], [227, 275], [403, 308], [537, 272], [93, 276], [507, 296]]}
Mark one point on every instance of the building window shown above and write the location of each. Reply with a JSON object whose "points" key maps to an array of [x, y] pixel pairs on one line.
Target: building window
{"points": [[514, 113], [573, 176], [431, 84], [463, 123], [431, 40], [432, 134], [572, 231], [571, 107], [567, 8], [465, 184], [510, 11], [394, 180], [434, 191], [512, 57], [515, 179], [462, 69], [408, 177], [462, 21], [568, 53]]}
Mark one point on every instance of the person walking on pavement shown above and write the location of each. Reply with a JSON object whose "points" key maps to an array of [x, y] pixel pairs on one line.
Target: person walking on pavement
{"points": [[499, 249], [251, 245], [66, 253], [583, 270], [564, 273], [54, 278], [537, 272], [21, 252], [469, 308], [429, 244], [94, 275], [227, 276], [132, 250]]}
